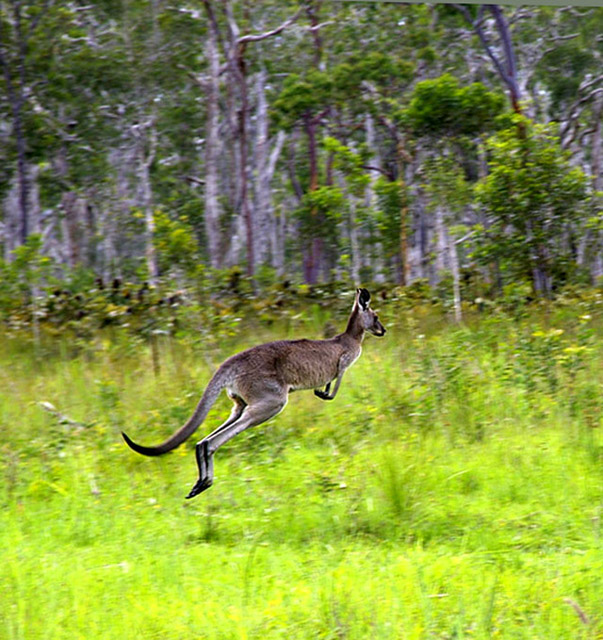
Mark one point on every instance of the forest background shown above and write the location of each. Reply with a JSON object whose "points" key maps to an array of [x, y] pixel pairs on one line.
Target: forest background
{"points": [[209, 144]]}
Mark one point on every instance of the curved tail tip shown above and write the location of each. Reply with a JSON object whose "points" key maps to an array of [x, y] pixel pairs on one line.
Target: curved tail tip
{"points": [[145, 451], [127, 439]]}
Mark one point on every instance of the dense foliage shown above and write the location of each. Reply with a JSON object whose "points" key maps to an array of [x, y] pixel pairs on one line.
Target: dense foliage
{"points": [[167, 142]]}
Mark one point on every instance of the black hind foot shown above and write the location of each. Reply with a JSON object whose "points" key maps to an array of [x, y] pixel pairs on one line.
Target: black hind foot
{"points": [[201, 485]]}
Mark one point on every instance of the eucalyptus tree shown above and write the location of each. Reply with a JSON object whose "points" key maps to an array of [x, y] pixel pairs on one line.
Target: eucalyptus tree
{"points": [[365, 62], [535, 201], [24, 28], [568, 74], [305, 102], [370, 89], [449, 120]]}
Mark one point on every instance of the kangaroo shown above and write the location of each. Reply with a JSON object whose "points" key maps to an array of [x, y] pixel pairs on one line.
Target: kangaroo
{"points": [[258, 381]]}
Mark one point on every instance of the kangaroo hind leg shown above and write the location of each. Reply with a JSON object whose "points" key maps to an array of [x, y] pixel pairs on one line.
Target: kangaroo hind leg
{"points": [[205, 462], [252, 415]]}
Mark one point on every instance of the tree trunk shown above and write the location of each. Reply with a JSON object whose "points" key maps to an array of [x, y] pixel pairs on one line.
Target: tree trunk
{"points": [[370, 201], [12, 216], [145, 160], [509, 73], [354, 243], [442, 253], [349, 228], [242, 118], [447, 260], [268, 245], [15, 89], [313, 258], [277, 226], [404, 258], [596, 170], [71, 229], [541, 281], [456, 279], [505, 66], [212, 211], [264, 248]]}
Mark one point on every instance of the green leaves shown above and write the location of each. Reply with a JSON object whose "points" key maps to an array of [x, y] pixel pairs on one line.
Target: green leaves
{"points": [[320, 211], [535, 200], [303, 96], [443, 107], [446, 183]]}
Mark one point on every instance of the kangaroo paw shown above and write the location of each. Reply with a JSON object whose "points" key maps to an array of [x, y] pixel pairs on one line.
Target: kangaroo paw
{"points": [[323, 395], [201, 485]]}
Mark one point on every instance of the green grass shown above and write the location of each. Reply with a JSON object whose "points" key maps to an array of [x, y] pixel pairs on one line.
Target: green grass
{"points": [[453, 489]]}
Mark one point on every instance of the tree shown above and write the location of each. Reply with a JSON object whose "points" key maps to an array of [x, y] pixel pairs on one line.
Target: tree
{"points": [[504, 59], [305, 102], [444, 110], [187, 135], [449, 195], [20, 23], [535, 201], [448, 119]]}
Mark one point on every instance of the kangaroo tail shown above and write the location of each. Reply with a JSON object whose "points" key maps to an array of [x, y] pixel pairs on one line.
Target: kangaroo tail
{"points": [[211, 393]]}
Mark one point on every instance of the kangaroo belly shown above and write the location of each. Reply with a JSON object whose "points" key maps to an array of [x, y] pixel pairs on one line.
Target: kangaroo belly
{"points": [[305, 376], [292, 364]]}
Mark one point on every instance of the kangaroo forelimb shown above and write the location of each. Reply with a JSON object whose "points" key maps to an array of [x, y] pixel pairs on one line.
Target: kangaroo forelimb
{"points": [[324, 395]]}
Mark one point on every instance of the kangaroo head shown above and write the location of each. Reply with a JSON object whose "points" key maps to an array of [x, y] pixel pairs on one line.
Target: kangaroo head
{"points": [[369, 320]]}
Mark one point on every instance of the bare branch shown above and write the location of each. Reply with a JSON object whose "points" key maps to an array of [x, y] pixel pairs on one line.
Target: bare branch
{"points": [[61, 417], [197, 78], [522, 13], [575, 112], [585, 133], [589, 83], [383, 172], [578, 609], [276, 151], [268, 34], [194, 180], [477, 27], [316, 27], [213, 22]]}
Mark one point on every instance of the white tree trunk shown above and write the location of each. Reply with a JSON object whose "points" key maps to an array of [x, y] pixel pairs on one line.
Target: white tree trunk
{"points": [[447, 259], [596, 169], [442, 261], [370, 202], [456, 279], [264, 218], [146, 201], [212, 152]]}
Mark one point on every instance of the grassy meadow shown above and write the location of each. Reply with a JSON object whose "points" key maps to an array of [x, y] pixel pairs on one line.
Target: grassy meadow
{"points": [[453, 489]]}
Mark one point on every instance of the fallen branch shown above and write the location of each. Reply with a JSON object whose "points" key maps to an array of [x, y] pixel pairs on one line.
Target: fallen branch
{"points": [[61, 417]]}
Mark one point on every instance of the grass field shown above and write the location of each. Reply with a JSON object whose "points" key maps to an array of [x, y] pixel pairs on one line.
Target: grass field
{"points": [[453, 489]]}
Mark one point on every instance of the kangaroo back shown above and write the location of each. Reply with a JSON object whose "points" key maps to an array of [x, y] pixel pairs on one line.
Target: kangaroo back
{"points": [[211, 393]]}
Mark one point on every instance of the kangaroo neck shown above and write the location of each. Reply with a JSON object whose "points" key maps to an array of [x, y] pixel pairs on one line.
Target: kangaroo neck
{"points": [[354, 330]]}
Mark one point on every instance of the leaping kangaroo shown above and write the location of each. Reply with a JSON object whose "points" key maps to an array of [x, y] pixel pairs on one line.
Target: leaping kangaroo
{"points": [[258, 381]]}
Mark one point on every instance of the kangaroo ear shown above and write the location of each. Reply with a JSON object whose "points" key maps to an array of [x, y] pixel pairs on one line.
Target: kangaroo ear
{"points": [[364, 297]]}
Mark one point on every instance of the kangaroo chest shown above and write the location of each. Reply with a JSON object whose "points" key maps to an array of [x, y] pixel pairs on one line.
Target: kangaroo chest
{"points": [[317, 369]]}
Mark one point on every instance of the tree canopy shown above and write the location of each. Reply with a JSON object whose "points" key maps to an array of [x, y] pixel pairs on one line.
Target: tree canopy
{"points": [[159, 141]]}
